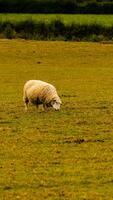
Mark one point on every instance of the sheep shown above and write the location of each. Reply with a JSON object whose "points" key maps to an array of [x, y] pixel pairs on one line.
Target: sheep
{"points": [[39, 92]]}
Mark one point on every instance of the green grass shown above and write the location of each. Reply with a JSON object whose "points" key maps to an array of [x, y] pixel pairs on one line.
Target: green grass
{"points": [[57, 155], [106, 20]]}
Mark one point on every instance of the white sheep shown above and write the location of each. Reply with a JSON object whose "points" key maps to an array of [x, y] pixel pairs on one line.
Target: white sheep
{"points": [[39, 92]]}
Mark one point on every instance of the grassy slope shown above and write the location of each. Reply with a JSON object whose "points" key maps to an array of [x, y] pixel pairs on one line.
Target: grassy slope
{"points": [[106, 20], [57, 155]]}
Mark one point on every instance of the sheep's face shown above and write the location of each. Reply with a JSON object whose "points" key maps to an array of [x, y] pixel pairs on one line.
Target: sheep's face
{"points": [[56, 105]]}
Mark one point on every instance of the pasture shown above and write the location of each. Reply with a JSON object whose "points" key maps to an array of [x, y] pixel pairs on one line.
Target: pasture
{"points": [[106, 20], [63, 155]]}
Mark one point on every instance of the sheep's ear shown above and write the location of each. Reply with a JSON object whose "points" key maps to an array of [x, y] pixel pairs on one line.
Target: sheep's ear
{"points": [[60, 102]]}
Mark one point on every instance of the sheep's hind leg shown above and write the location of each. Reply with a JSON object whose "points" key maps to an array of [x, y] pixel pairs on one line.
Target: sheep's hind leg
{"points": [[37, 106], [26, 101]]}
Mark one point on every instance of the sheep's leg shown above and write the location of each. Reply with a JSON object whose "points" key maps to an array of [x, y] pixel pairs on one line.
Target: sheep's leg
{"points": [[26, 106], [45, 107], [37, 106], [26, 101]]}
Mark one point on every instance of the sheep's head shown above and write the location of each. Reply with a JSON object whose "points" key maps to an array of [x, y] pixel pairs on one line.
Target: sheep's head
{"points": [[56, 104]]}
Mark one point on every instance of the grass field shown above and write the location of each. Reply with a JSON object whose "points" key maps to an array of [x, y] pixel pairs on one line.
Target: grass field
{"points": [[63, 155], [106, 20]]}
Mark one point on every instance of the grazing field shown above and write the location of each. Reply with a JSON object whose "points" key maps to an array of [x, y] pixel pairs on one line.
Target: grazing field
{"points": [[63, 155], [106, 20]]}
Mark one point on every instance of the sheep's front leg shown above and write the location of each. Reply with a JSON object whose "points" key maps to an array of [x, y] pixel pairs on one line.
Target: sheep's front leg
{"points": [[45, 107]]}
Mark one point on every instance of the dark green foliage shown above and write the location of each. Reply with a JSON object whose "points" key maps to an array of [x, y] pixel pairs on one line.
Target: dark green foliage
{"points": [[8, 30], [56, 6], [25, 26], [30, 29], [57, 28]]}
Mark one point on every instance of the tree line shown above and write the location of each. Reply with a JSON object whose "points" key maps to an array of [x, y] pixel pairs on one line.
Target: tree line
{"points": [[57, 6]]}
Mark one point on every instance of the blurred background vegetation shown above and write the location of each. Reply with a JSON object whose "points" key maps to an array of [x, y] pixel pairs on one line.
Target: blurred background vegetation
{"points": [[57, 6]]}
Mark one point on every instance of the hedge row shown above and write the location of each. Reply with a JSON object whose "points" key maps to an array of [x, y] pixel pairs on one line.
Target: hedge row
{"points": [[57, 6], [55, 30]]}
